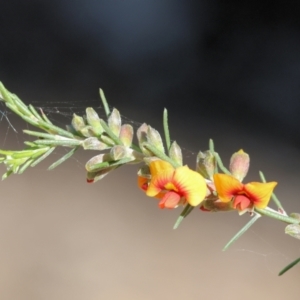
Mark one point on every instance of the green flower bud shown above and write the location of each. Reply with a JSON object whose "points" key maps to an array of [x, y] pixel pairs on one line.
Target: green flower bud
{"points": [[293, 230], [206, 164], [295, 216], [98, 162], [92, 143], [154, 138], [107, 140], [142, 138], [78, 122], [114, 122], [126, 135], [175, 153], [118, 152], [94, 121], [87, 131], [92, 177], [239, 165]]}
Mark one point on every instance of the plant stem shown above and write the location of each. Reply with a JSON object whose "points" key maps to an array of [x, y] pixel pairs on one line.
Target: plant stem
{"points": [[161, 155], [268, 212]]}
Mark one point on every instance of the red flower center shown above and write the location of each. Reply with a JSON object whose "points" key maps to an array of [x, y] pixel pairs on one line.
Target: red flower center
{"points": [[241, 202]]}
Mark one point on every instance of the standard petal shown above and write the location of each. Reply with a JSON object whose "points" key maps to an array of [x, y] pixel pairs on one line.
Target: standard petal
{"points": [[227, 186], [260, 192], [190, 184], [157, 166]]}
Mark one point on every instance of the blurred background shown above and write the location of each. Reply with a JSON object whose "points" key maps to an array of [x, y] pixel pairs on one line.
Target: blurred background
{"points": [[225, 69]]}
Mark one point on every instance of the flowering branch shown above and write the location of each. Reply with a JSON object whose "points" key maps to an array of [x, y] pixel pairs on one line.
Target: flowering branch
{"points": [[162, 174]]}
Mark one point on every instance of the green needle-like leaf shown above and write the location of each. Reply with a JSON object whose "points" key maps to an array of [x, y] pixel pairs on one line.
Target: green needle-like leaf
{"points": [[63, 142], [104, 102], [242, 231], [186, 211], [63, 159], [166, 129], [34, 112], [46, 154], [25, 166], [110, 133], [289, 266]]}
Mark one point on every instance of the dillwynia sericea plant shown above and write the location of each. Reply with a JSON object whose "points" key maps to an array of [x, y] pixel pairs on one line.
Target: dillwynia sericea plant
{"points": [[211, 187]]}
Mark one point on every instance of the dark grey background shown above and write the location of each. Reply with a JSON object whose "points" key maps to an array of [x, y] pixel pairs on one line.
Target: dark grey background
{"points": [[237, 60], [225, 69]]}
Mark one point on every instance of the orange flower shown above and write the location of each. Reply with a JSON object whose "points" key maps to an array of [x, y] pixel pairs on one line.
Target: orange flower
{"points": [[244, 196], [174, 186]]}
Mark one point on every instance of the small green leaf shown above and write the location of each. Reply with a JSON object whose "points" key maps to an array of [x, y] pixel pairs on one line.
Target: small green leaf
{"points": [[186, 211], [34, 112], [289, 266], [104, 102], [62, 159], [25, 166], [166, 129], [242, 231], [42, 157], [64, 142], [110, 133]]}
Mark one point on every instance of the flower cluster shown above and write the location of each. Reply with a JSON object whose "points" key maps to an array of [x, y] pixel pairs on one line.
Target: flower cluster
{"points": [[162, 175], [224, 192]]}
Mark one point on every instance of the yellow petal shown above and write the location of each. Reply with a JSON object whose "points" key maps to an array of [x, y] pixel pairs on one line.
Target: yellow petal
{"points": [[157, 166], [190, 184], [227, 186], [159, 181], [259, 192]]}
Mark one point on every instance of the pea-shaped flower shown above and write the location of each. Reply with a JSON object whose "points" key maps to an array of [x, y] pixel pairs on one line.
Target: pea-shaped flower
{"points": [[175, 186], [244, 196]]}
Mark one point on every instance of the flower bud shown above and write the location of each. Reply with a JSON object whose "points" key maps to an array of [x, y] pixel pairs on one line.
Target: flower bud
{"points": [[175, 153], [98, 162], [87, 131], [78, 122], [118, 152], [142, 137], [94, 121], [107, 140], [206, 164], [295, 216], [293, 230], [126, 134], [114, 122], [239, 164], [92, 177], [154, 138], [92, 143]]}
